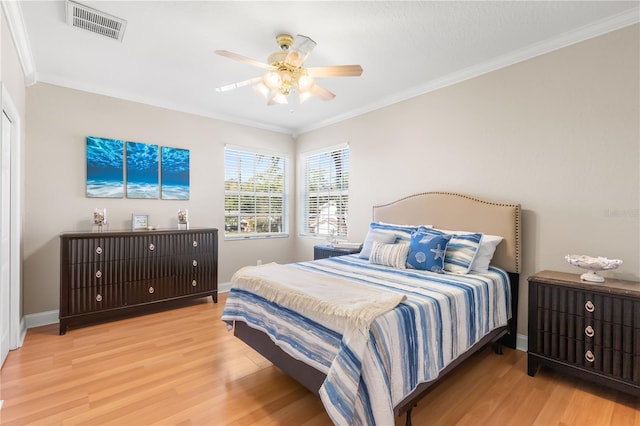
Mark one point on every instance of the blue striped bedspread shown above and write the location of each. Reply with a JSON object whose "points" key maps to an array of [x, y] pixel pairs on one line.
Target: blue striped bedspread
{"points": [[442, 316]]}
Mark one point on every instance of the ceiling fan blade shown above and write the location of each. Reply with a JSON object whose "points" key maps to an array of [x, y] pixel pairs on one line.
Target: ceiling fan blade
{"points": [[244, 59], [239, 84], [336, 71], [322, 93], [299, 51]]}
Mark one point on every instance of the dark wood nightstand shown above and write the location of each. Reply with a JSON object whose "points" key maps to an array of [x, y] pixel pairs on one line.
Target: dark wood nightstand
{"points": [[322, 251], [591, 330]]}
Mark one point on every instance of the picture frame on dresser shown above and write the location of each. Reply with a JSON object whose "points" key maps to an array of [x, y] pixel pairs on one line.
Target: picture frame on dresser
{"points": [[139, 221]]}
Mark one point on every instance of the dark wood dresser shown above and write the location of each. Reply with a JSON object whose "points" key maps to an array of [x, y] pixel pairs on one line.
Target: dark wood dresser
{"points": [[107, 275], [591, 330]]}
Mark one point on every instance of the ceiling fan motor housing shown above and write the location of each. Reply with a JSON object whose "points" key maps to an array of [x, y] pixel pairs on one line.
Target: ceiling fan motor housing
{"points": [[284, 41]]}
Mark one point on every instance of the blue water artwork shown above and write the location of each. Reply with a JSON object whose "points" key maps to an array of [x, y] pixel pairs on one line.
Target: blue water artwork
{"points": [[105, 167], [175, 173], [142, 170]]}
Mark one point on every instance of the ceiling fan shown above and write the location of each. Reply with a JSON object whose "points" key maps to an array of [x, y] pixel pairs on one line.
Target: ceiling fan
{"points": [[285, 73]]}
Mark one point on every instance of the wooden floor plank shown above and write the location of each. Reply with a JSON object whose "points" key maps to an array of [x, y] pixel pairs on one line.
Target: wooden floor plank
{"points": [[182, 367]]}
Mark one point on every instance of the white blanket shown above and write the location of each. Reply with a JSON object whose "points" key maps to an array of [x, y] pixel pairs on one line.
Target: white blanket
{"points": [[330, 300]]}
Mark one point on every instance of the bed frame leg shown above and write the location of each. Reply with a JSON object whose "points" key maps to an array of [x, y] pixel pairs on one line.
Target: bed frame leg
{"points": [[408, 420], [499, 347]]}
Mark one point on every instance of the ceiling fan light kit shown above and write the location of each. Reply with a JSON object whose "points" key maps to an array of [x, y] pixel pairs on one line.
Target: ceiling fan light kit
{"points": [[285, 73]]}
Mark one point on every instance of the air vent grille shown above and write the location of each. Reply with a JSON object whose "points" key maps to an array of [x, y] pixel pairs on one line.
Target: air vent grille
{"points": [[95, 21]]}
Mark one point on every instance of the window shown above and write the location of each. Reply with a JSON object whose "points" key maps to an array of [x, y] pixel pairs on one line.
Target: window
{"points": [[255, 194], [325, 187]]}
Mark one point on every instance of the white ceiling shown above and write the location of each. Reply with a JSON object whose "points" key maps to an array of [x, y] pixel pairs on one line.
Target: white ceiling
{"points": [[405, 48]]}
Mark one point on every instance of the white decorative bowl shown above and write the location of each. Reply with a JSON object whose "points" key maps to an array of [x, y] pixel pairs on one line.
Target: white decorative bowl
{"points": [[592, 264]]}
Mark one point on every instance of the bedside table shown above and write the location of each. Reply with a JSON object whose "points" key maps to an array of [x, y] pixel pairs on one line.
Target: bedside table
{"points": [[590, 330], [322, 251]]}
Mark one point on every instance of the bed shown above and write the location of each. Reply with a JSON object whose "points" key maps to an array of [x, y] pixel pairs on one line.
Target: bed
{"points": [[377, 366]]}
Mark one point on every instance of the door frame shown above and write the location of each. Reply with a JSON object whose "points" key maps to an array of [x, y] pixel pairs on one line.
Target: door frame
{"points": [[16, 332]]}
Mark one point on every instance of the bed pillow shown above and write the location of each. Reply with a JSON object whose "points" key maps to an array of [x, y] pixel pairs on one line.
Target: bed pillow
{"points": [[461, 250], [487, 249], [394, 255], [427, 251], [375, 235], [401, 232], [488, 245]]}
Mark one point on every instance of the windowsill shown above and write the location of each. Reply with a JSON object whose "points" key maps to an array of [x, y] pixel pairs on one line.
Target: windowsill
{"points": [[254, 237]]}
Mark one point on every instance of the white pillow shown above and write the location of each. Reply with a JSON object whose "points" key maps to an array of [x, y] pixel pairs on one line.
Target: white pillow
{"points": [[488, 245], [375, 235], [394, 255]]}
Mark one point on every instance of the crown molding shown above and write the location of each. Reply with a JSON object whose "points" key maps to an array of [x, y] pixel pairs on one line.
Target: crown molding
{"points": [[158, 103], [598, 28], [13, 13]]}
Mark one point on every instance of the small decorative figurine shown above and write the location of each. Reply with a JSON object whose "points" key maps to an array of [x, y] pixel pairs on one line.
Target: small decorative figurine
{"points": [[100, 217], [592, 264], [183, 218]]}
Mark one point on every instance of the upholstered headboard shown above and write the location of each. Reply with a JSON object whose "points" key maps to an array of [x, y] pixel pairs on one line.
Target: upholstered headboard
{"points": [[460, 212]]}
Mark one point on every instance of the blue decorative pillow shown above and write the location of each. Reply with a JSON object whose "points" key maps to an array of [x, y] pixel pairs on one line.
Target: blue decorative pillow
{"points": [[427, 251], [461, 251]]}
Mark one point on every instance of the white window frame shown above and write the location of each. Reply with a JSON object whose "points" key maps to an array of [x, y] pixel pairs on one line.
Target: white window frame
{"points": [[340, 230], [283, 231]]}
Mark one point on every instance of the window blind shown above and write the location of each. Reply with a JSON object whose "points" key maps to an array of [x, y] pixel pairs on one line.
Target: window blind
{"points": [[325, 199], [255, 197]]}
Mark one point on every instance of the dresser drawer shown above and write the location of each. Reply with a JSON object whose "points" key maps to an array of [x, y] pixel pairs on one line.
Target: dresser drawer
{"points": [[92, 274], [193, 243], [96, 249], [589, 304], [148, 290], [92, 299]]}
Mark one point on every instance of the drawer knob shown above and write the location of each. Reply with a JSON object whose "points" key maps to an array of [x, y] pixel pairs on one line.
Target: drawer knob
{"points": [[151, 290], [152, 247], [589, 356], [195, 243], [99, 250], [195, 263], [589, 306], [589, 331], [194, 283], [99, 298], [99, 274]]}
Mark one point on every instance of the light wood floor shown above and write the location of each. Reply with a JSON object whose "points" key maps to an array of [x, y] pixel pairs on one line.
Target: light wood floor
{"points": [[181, 367]]}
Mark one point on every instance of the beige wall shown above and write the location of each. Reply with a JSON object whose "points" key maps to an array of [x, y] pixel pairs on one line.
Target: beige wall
{"points": [[558, 134], [59, 120]]}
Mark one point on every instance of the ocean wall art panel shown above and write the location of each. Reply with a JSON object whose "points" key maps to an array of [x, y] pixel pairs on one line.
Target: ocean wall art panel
{"points": [[175, 173], [142, 170], [105, 168]]}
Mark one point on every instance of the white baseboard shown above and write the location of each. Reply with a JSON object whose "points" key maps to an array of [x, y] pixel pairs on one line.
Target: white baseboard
{"points": [[522, 342], [41, 318], [224, 287]]}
